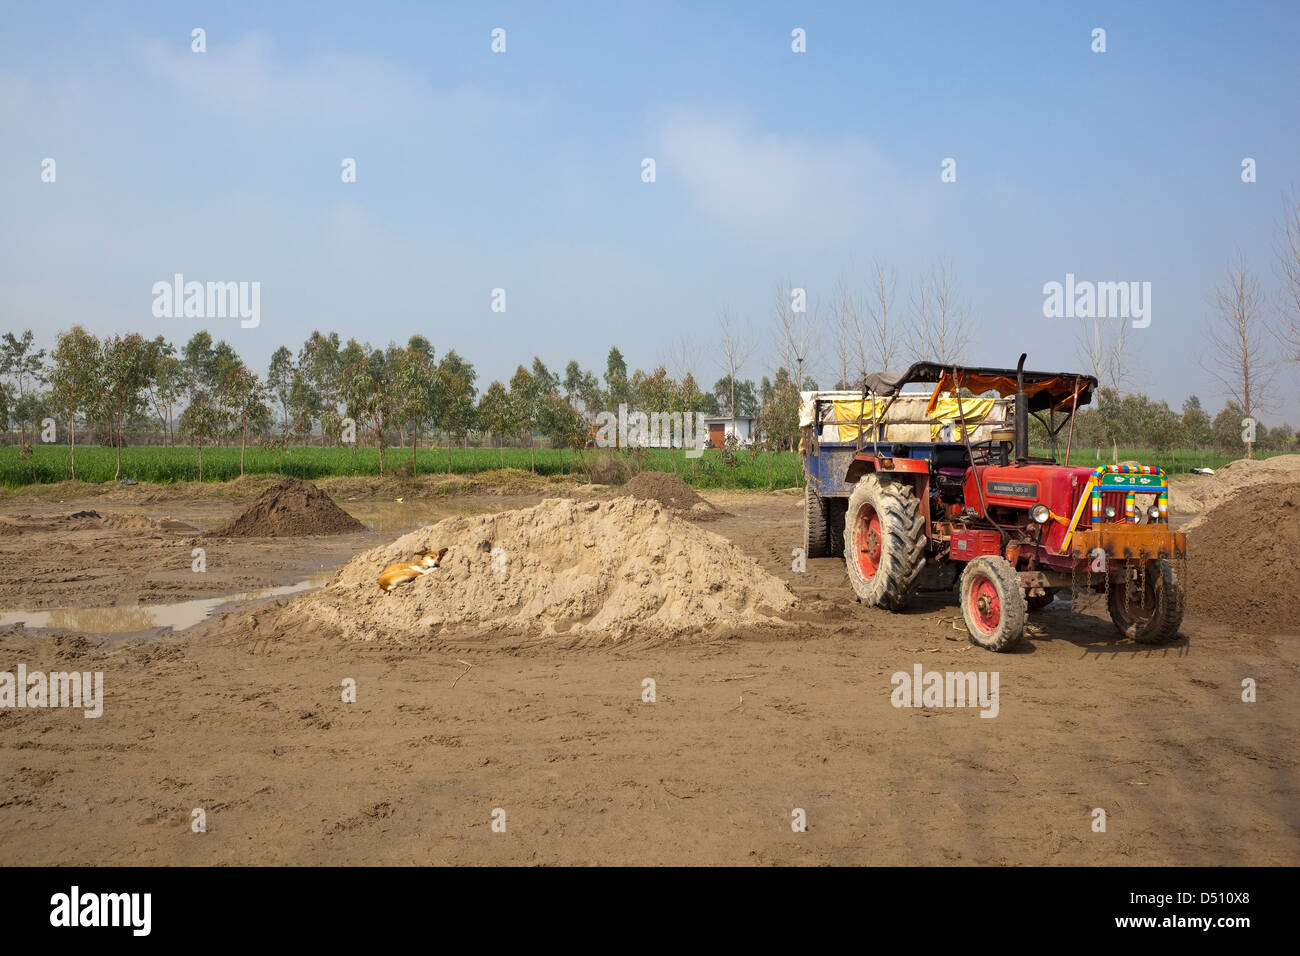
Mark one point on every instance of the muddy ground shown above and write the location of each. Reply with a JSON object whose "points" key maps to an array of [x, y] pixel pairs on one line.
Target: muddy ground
{"points": [[246, 722]]}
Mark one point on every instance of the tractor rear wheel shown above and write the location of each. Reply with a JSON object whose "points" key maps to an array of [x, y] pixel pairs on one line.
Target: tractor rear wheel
{"points": [[884, 542], [993, 603], [814, 523], [1150, 609]]}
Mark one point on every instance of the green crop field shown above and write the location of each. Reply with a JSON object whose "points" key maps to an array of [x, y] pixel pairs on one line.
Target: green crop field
{"points": [[761, 470], [164, 465]]}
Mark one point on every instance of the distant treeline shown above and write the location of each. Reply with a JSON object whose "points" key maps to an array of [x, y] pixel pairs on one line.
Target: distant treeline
{"points": [[123, 390]]}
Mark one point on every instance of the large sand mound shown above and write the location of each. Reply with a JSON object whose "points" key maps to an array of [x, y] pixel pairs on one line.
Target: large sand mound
{"points": [[1243, 561], [1199, 495], [669, 491], [586, 571], [287, 509]]}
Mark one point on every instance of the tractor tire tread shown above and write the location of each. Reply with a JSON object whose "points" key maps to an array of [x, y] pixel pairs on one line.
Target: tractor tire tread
{"points": [[903, 551], [1169, 612], [1015, 608]]}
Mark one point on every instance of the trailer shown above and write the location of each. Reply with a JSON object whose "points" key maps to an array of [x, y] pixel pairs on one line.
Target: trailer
{"points": [[834, 424]]}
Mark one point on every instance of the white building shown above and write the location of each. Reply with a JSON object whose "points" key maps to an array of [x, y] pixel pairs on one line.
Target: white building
{"points": [[720, 427]]}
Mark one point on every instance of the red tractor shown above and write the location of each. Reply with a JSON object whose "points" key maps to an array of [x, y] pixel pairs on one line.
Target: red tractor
{"points": [[1011, 528]]}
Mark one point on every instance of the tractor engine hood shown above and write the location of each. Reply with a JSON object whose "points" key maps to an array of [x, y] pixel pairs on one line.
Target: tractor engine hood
{"points": [[1023, 486]]}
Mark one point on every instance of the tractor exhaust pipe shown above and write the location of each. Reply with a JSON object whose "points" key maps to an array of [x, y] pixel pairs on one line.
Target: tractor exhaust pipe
{"points": [[1022, 412]]}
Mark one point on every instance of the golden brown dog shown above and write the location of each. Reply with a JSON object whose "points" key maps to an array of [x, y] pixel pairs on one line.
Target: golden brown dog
{"points": [[403, 571]]}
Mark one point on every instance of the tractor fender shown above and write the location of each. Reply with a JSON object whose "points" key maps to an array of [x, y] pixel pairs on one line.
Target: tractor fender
{"points": [[913, 471], [904, 468]]}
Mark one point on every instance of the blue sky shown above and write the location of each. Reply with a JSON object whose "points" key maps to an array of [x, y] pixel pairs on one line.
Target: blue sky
{"points": [[522, 170]]}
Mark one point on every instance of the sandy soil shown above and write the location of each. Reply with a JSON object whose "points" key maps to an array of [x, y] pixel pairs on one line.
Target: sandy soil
{"points": [[246, 721], [55, 562]]}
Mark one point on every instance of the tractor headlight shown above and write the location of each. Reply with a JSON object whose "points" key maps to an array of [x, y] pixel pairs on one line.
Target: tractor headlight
{"points": [[1040, 514], [1110, 512], [1153, 514]]}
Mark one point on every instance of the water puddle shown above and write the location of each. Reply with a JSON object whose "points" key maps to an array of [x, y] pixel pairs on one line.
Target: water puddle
{"points": [[206, 522], [128, 619]]}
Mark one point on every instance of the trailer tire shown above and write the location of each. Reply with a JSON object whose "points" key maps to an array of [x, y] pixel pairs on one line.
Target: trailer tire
{"points": [[993, 603], [814, 523], [884, 542], [1161, 593], [837, 510]]}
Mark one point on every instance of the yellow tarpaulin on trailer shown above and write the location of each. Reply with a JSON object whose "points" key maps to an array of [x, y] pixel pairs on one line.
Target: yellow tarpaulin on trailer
{"points": [[848, 412], [943, 413]]}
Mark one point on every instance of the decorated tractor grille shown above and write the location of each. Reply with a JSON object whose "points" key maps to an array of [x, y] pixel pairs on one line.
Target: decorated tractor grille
{"points": [[1111, 495], [1114, 484]]}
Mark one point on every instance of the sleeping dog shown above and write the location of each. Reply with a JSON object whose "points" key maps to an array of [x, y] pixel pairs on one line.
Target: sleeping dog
{"points": [[403, 571]]}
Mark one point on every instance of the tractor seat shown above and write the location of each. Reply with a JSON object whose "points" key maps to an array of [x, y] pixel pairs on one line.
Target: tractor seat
{"points": [[945, 458], [948, 482]]}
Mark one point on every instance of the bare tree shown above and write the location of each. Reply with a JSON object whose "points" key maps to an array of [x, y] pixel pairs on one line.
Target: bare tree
{"points": [[1287, 330], [848, 321], [796, 334], [1236, 357], [737, 348], [883, 331], [680, 358], [1099, 344], [941, 329], [867, 324]]}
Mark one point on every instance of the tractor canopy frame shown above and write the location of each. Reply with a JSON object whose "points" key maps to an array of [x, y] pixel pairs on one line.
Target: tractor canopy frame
{"points": [[1050, 392]]}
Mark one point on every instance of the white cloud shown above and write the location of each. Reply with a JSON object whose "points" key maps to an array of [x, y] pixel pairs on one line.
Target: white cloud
{"points": [[769, 188], [247, 77]]}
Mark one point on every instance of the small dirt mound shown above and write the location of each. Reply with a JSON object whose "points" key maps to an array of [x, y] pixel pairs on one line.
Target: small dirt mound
{"points": [[587, 572], [289, 508], [1243, 561], [142, 523], [669, 491], [91, 521]]}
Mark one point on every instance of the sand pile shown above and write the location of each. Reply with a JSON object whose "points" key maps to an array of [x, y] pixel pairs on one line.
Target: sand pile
{"points": [[1199, 495], [1243, 561], [289, 508], [670, 492], [589, 571]]}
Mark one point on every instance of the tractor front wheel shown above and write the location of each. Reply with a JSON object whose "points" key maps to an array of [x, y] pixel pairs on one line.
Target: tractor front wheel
{"points": [[1040, 601], [1147, 605], [884, 542], [993, 603]]}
